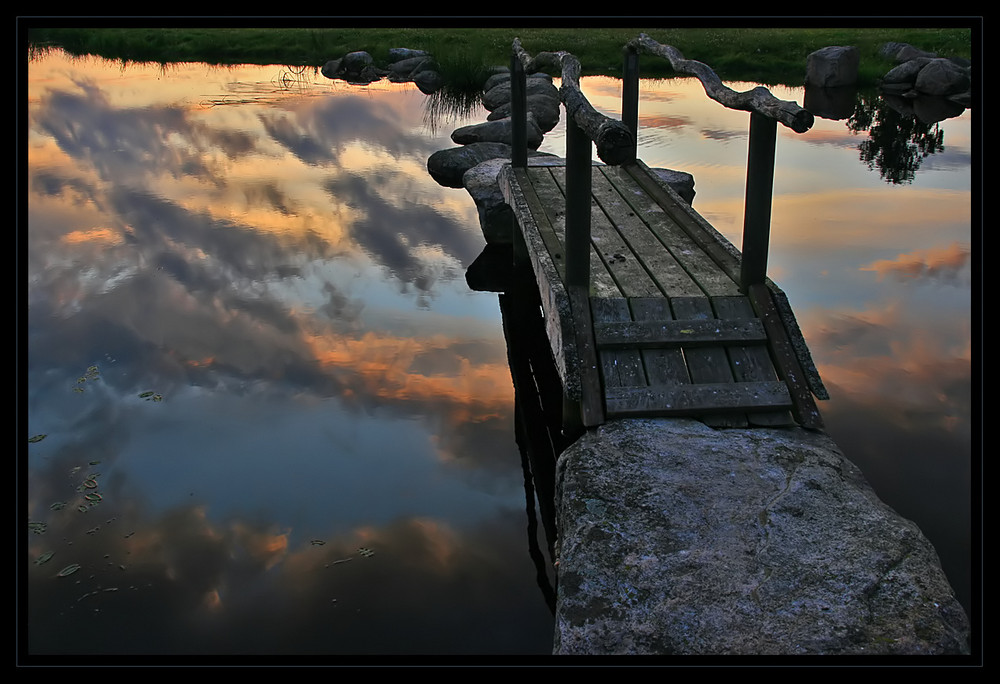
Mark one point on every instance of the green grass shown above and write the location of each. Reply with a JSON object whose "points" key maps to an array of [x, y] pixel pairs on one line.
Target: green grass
{"points": [[767, 55]]}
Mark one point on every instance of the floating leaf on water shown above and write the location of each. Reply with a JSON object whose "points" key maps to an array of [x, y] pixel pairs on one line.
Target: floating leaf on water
{"points": [[94, 462], [90, 483], [68, 570], [367, 553], [146, 395], [37, 526], [317, 542], [36, 438], [44, 558], [77, 389], [57, 506], [93, 497]]}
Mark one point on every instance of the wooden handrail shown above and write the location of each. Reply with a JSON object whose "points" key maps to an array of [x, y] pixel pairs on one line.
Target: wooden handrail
{"points": [[765, 112], [759, 99], [616, 143], [614, 140]]}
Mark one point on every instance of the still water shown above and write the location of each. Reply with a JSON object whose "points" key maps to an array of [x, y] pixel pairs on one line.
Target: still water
{"points": [[269, 415]]}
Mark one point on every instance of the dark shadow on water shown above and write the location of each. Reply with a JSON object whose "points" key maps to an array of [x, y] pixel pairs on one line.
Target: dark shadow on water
{"points": [[538, 402]]}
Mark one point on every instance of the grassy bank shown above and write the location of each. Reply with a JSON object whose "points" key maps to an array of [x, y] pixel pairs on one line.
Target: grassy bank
{"points": [[767, 55]]}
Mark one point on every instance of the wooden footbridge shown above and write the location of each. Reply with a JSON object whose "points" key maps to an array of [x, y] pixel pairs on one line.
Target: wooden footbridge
{"points": [[649, 310]]}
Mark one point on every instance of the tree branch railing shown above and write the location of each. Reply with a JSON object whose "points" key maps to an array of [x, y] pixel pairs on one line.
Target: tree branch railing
{"points": [[616, 143], [765, 112]]}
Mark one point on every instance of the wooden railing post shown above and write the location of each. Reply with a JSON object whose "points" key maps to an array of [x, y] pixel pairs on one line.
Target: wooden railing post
{"points": [[757, 213], [518, 114], [578, 163], [630, 95]]}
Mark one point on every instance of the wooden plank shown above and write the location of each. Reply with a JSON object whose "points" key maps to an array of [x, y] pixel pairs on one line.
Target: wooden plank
{"points": [[541, 204], [552, 203], [645, 248], [551, 291], [641, 334], [750, 363], [663, 366], [591, 394], [688, 220], [630, 277], [689, 252], [706, 364], [694, 399], [618, 367], [786, 362]]}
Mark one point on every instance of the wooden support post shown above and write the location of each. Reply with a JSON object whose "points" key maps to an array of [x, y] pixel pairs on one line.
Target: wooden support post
{"points": [[760, 186], [578, 169], [630, 96], [518, 114]]}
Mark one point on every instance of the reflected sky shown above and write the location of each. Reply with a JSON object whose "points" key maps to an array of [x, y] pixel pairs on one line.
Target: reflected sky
{"points": [[880, 278], [267, 254], [329, 444]]}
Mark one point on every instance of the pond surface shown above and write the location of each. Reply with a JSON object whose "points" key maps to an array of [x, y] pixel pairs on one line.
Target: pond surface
{"points": [[269, 415]]}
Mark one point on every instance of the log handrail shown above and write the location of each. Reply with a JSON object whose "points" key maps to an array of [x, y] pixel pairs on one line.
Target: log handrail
{"points": [[614, 140], [617, 142], [759, 100], [766, 111]]}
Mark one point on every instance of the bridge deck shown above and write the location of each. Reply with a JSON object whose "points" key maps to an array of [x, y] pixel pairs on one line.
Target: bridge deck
{"points": [[664, 328]]}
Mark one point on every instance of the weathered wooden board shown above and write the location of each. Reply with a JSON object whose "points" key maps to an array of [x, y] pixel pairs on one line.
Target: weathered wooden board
{"points": [[698, 333], [552, 200], [683, 219], [706, 364], [677, 233], [694, 399], [804, 408], [619, 367], [644, 248], [663, 366], [663, 329], [750, 363]]}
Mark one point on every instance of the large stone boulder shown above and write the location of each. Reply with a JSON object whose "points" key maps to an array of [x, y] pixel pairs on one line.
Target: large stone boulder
{"points": [[448, 166], [545, 108], [919, 73], [354, 67], [677, 538], [428, 81], [682, 182], [942, 78], [399, 54], [833, 67], [500, 93], [497, 130], [495, 216], [404, 69]]}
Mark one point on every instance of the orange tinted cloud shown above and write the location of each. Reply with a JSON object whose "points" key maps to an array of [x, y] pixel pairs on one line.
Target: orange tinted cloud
{"points": [[383, 364], [929, 263]]}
